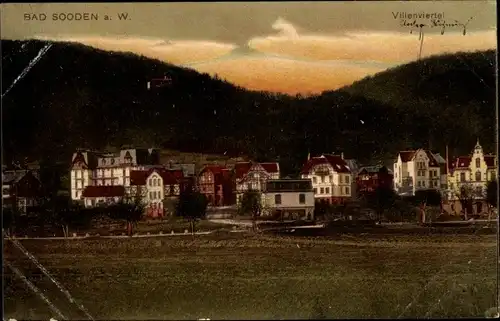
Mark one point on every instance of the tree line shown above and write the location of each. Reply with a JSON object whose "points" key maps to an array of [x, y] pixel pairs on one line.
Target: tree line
{"points": [[69, 215]]}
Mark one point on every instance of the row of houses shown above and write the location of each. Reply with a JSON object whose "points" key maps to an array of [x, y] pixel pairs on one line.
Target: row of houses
{"points": [[421, 169], [97, 178]]}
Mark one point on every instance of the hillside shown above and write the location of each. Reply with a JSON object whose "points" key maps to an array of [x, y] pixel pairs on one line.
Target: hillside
{"points": [[76, 96], [454, 95]]}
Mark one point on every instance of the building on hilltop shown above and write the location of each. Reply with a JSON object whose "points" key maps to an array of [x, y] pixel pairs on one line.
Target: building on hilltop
{"points": [[331, 177]]}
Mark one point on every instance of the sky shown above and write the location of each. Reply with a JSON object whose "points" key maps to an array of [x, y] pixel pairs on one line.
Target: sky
{"points": [[289, 47]]}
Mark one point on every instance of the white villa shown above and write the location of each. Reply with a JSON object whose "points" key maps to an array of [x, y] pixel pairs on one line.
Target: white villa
{"points": [[331, 177], [419, 170]]}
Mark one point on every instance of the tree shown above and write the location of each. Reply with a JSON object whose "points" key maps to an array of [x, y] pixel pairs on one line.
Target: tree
{"points": [[63, 212], [129, 209], [380, 200], [192, 206], [251, 203], [169, 205], [8, 219], [466, 195], [426, 197], [491, 196]]}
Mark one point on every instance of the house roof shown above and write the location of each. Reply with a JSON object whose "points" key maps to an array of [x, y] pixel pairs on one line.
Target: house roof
{"points": [[463, 162], [432, 159], [221, 173], [12, 177], [104, 191], [490, 161], [26, 185], [138, 178], [242, 168], [407, 155], [215, 169], [374, 170], [335, 161], [289, 185]]}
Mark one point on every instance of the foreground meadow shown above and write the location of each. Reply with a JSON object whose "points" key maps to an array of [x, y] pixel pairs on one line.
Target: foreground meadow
{"points": [[242, 276]]}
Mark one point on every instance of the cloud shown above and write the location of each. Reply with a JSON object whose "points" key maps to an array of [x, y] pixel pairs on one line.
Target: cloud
{"points": [[287, 76], [377, 46], [172, 51]]}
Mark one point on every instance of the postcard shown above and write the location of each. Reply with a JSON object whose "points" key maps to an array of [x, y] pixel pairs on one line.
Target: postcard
{"points": [[250, 160]]}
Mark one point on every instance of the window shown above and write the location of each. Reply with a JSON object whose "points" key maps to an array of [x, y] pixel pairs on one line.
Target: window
{"points": [[347, 191], [249, 186], [462, 177], [423, 183], [315, 180], [150, 182], [327, 190], [302, 198], [340, 179], [492, 176], [478, 176], [151, 195], [331, 178], [347, 179], [322, 179], [322, 190], [277, 199], [435, 183], [104, 161], [478, 162], [479, 191], [315, 190], [419, 183]]}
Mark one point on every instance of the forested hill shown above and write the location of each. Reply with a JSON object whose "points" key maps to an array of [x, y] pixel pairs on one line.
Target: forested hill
{"points": [[76, 96]]}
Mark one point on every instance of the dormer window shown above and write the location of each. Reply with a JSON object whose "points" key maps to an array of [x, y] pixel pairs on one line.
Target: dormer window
{"points": [[104, 161], [478, 162]]}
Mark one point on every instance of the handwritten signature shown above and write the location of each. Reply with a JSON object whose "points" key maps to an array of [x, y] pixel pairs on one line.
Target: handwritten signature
{"points": [[436, 23]]}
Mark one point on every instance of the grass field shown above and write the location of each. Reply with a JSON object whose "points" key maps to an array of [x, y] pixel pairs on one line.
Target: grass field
{"points": [[243, 276]]}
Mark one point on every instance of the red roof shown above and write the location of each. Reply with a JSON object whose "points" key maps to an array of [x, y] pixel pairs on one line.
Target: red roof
{"points": [[462, 162], [215, 169], [242, 168], [169, 176], [221, 173], [271, 167], [490, 161], [104, 191], [338, 164], [407, 155]]}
